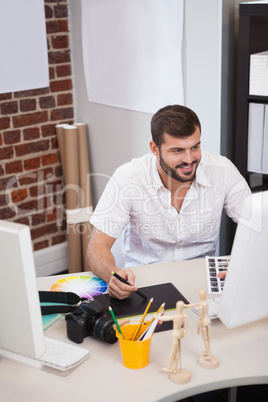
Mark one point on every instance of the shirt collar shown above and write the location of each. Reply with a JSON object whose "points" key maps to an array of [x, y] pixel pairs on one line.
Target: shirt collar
{"points": [[201, 177], [156, 180]]}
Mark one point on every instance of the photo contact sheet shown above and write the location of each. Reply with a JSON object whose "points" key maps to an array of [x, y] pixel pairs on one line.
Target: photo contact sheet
{"points": [[214, 266]]}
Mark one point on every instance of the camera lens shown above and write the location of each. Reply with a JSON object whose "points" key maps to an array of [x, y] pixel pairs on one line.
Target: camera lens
{"points": [[103, 329]]}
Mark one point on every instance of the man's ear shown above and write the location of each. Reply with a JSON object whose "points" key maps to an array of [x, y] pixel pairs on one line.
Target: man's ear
{"points": [[154, 148]]}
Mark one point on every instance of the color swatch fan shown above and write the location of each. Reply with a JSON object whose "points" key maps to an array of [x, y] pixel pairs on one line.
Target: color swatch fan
{"points": [[83, 286]]}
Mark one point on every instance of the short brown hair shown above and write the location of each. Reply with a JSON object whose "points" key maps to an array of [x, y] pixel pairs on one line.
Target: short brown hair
{"points": [[175, 120]]}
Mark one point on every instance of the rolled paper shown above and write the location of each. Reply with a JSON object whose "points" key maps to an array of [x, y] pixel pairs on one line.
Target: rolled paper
{"points": [[79, 215], [72, 196], [84, 171], [73, 148], [85, 185], [60, 138]]}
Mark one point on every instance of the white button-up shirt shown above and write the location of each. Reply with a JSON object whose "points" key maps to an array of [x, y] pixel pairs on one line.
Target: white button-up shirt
{"points": [[136, 202]]}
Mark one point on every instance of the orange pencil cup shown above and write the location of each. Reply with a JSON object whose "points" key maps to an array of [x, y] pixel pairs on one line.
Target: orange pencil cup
{"points": [[135, 354]]}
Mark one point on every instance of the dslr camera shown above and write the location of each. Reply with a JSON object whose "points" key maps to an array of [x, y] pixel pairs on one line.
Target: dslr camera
{"points": [[90, 319]]}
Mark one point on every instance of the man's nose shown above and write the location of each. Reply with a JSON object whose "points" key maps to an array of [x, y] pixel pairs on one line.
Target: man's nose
{"points": [[187, 156]]}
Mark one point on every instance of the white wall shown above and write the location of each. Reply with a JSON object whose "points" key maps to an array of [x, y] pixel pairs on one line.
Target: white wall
{"points": [[117, 135], [202, 69]]}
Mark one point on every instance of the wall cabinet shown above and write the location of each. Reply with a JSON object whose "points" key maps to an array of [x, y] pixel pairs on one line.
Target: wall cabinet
{"points": [[253, 38]]}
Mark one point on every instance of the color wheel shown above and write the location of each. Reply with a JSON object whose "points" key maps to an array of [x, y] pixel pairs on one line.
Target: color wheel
{"points": [[83, 286]]}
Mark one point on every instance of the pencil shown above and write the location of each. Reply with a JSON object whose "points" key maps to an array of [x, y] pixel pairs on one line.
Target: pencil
{"points": [[115, 321], [158, 311], [142, 318], [127, 283]]}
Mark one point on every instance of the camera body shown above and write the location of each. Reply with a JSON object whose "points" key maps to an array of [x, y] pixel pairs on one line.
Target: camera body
{"points": [[90, 319]]}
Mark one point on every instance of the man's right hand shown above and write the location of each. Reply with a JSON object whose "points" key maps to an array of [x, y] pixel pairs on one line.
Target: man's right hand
{"points": [[120, 290]]}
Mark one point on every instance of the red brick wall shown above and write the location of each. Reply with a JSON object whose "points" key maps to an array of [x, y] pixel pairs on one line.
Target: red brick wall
{"points": [[31, 181]]}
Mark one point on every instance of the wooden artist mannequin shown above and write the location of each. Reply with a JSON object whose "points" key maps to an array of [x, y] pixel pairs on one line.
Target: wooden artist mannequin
{"points": [[207, 359], [177, 375]]}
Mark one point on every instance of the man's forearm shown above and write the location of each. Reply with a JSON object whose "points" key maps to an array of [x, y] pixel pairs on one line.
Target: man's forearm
{"points": [[99, 257], [101, 262]]}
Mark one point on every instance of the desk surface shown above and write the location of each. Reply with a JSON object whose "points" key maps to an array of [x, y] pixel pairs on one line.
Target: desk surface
{"points": [[242, 352]]}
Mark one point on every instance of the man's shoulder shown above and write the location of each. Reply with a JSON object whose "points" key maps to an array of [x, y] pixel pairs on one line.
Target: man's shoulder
{"points": [[140, 164], [209, 159]]}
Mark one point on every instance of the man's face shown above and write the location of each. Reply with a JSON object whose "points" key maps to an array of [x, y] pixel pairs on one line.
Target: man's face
{"points": [[178, 158]]}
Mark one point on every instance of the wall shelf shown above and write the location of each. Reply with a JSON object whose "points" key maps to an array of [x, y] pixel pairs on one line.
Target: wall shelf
{"points": [[253, 38]]}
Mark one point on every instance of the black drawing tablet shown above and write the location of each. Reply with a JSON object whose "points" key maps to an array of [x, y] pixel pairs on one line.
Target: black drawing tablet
{"points": [[135, 305]]}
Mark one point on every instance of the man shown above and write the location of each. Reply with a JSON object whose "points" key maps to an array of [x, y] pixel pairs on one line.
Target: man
{"points": [[167, 203]]}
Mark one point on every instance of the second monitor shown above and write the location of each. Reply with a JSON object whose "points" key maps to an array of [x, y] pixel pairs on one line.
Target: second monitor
{"points": [[245, 296]]}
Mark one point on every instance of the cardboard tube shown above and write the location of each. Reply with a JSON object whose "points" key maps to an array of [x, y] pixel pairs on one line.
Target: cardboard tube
{"points": [[72, 195], [84, 177], [84, 172], [72, 167], [60, 138], [74, 248]]}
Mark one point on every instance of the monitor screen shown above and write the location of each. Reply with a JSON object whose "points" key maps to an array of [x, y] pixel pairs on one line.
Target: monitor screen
{"points": [[245, 295], [21, 329]]}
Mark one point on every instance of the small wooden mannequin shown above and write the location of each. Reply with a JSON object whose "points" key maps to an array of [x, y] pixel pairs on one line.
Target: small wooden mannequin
{"points": [[177, 375], [207, 359]]}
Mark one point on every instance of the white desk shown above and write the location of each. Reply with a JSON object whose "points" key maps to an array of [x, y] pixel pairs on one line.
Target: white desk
{"points": [[242, 353]]}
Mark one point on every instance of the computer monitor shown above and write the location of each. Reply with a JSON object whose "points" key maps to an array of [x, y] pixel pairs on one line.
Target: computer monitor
{"points": [[21, 329], [245, 296]]}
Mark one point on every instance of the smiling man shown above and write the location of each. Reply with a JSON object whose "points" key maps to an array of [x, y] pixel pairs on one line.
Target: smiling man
{"points": [[167, 203]]}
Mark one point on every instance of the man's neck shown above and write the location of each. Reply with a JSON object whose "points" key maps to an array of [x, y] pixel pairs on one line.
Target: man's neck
{"points": [[177, 188]]}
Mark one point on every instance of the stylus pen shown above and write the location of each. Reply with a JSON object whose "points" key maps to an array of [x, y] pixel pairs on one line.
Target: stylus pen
{"points": [[127, 283]]}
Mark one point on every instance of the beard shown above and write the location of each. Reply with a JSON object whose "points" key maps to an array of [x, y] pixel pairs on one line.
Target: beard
{"points": [[174, 174]]}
